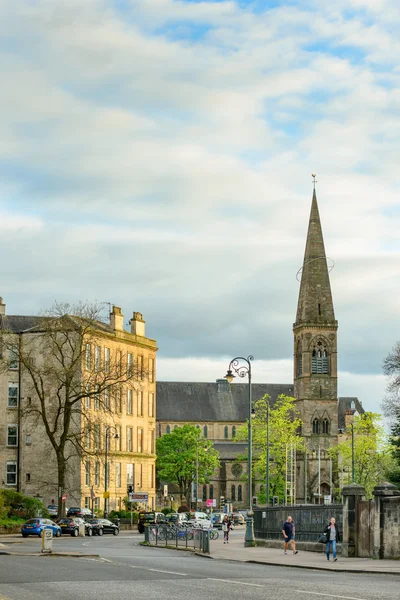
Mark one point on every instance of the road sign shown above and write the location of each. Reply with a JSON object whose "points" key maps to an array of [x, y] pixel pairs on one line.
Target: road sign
{"points": [[138, 497], [211, 503], [47, 540], [106, 494], [165, 491], [63, 497]]}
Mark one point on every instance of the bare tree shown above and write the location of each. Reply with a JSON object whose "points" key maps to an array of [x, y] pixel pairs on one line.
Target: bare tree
{"points": [[71, 390], [391, 368]]}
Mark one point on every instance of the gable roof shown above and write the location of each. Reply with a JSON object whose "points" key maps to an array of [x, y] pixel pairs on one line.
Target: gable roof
{"points": [[219, 401], [345, 403]]}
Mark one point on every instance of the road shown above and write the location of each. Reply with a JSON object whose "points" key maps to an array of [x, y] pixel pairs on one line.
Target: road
{"points": [[127, 570]]}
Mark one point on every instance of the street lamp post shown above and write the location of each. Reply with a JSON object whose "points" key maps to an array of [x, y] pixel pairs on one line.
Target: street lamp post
{"points": [[353, 470], [106, 474], [242, 367], [267, 458], [197, 475]]}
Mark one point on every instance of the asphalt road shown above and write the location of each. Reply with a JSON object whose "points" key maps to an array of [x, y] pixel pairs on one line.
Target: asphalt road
{"points": [[127, 570]]}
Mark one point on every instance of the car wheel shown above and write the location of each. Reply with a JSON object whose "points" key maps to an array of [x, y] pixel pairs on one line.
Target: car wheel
{"points": [[75, 533], [116, 531], [58, 533], [24, 535], [89, 532], [101, 532], [40, 534]]}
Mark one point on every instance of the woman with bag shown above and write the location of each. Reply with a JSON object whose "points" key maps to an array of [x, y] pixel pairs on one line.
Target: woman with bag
{"points": [[226, 527], [332, 536]]}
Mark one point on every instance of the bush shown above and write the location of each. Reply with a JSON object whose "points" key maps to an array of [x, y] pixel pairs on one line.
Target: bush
{"points": [[124, 514], [23, 507], [183, 509], [167, 511]]}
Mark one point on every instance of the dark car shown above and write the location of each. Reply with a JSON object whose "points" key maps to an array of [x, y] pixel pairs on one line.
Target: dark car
{"points": [[150, 518], [101, 526], [36, 526], [83, 513], [71, 525]]}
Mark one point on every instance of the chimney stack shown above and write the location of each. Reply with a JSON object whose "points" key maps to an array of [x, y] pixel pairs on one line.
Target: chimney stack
{"points": [[117, 319], [137, 324], [2, 307]]}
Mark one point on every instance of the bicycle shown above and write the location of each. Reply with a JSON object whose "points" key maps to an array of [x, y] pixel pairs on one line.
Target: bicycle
{"points": [[214, 535]]}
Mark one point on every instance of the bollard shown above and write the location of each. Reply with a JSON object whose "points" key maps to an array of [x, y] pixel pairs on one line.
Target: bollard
{"points": [[82, 529], [47, 541], [147, 533]]}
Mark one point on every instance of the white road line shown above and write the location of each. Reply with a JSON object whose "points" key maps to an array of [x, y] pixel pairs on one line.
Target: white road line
{"points": [[235, 582], [169, 572], [106, 560], [327, 595]]}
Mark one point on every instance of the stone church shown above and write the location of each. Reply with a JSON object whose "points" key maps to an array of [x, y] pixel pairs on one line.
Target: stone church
{"points": [[219, 408]]}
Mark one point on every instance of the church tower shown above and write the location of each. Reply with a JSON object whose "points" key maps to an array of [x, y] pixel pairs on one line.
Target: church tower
{"points": [[315, 365]]}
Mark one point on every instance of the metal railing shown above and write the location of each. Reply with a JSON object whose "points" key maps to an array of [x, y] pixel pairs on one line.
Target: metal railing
{"points": [[310, 520], [169, 536]]}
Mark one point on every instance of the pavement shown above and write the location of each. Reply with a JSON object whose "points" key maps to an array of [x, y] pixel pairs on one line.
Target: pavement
{"points": [[236, 551]]}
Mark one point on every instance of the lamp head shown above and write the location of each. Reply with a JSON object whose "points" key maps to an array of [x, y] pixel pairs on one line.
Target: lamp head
{"points": [[229, 376]]}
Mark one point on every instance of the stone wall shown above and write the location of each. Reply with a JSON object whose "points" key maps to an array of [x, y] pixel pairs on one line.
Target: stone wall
{"points": [[391, 529]]}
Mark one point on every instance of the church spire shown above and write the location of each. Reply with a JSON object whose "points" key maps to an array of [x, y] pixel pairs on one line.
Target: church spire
{"points": [[315, 304]]}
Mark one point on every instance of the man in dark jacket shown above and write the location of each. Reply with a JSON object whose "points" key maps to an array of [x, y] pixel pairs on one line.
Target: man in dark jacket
{"points": [[333, 535], [288, 531]]}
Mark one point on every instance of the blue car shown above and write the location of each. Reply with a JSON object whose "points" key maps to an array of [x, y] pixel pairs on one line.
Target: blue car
{"points": [[36, 526]]}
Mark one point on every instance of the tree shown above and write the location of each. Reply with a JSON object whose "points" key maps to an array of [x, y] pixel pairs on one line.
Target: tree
{"points": [[391, 368], [372, 455], [176, 458], [284, 428], [60, 371]]}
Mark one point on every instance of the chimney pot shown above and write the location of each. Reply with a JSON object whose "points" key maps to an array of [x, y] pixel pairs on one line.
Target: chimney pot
{"points": [[117, 319], [138, 325], [2, 307]]}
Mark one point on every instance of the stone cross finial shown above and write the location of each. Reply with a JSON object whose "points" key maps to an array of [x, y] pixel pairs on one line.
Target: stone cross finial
{"points": [[313, 175]]}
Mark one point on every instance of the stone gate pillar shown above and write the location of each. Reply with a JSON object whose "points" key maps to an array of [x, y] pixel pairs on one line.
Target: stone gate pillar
{"points": [[352, 494], [381, 492]]}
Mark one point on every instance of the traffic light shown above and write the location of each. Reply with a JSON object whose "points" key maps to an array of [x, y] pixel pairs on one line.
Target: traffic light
{"points": [[254, 500], [221, 502], [130, 489], [275, 501]]}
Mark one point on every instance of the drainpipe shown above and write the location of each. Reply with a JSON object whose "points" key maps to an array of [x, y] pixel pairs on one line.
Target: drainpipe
{"points": [[19, 415]]}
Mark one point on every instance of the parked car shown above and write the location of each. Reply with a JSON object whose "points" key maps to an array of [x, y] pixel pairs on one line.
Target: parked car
{"points": [[52, 509], [216, 520], [71, 525], [36, 526], [176, 518], [101, 526], [200, 519], [238, 519], [150, 517], [83, 513]]}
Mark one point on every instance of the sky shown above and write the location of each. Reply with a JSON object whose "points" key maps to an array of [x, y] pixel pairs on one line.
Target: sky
{"points": [[157, 155]]}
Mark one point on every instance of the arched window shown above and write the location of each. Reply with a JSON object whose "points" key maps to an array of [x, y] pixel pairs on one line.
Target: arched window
{"points": [[299, 359], [204, 493], [175, 426], [168, 430], [205, 431], [319, 360], [197, 426], [233, 431], [233, 493], [315, 426], [325, 426], [211, 492], [240, 493], [226, 432]]}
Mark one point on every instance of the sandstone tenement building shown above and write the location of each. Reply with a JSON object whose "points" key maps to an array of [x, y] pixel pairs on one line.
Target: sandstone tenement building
{"points": [[126, 414]]}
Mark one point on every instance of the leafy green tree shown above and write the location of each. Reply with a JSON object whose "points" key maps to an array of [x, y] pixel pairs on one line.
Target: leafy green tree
{"points": [[372, 452], [176, 458], [284, 432]]}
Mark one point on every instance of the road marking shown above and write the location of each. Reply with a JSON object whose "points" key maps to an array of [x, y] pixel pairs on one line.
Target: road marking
{"points": [[169, 572], [106, 560], [236, 582], [328, 595]]}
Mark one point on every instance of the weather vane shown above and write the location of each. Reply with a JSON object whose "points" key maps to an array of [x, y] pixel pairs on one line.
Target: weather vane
{"points": [[314, 180]]}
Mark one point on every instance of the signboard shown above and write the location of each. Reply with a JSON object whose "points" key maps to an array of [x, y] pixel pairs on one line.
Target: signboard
{"points": [[47, 540], [327, 499], [106, 494], [138, 497], [165, 491], [63, 497], [211, 503]]}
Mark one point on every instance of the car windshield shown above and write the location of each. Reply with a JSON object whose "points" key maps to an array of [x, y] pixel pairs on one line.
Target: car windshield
{"points": [[65, 520], [33, 521]]}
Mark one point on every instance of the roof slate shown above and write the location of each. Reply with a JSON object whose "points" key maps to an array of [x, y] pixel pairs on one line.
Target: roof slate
{"points": [[219, 401]]}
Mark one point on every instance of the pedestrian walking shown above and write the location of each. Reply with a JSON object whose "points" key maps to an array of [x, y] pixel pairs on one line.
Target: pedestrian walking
{"points": [[333, 536], [288, 531], [226, 527]]}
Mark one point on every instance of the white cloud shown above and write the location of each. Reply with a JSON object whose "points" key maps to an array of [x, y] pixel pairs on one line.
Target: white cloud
{"points": [[160, 155]]}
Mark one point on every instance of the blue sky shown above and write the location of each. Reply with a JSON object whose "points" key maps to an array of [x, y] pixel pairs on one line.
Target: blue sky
{"points": [[157, 154]]}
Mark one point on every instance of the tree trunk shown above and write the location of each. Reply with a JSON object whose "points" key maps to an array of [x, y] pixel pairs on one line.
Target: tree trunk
{"points": [[61, 483]]}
